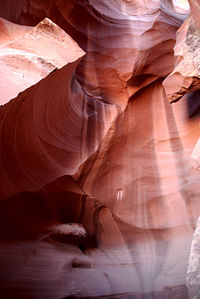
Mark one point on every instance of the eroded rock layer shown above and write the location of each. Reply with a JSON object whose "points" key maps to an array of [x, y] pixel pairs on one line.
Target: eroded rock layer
{"points": [[96, 142]]}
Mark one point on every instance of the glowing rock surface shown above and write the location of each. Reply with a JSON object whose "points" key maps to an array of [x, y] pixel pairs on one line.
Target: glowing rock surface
{"points": [[96, 142]]}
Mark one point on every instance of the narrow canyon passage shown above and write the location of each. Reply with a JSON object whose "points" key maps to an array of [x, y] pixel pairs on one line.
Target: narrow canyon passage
{"points": [[99, 117]]}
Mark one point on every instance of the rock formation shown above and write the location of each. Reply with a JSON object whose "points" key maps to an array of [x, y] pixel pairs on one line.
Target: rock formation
{"points": [[186, 74], [94, 160], [24, 59], [58, 145], [193, 282]]}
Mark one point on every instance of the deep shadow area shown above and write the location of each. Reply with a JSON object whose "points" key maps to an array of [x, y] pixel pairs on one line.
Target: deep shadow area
{"points": [[193, 103], [30, 212]]}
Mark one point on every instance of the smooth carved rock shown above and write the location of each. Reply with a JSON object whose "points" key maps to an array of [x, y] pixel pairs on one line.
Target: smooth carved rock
{"points": [[185, 78], [25, 60], [58, 119], [104, 119], [195, 8], [160, 146], [102, 63], [122, 39], [11, 31]]}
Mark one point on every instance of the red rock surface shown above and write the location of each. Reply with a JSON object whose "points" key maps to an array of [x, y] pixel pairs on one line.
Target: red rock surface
{"points": [[25, 56], [195, 7], [122, 39], [97, 142]]}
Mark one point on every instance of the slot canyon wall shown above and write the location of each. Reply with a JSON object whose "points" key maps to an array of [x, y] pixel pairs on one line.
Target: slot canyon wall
{"points": [[99, 119]]}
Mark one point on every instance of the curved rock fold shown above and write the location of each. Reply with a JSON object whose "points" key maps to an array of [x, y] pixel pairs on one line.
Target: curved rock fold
{"points": [[94, 161]]}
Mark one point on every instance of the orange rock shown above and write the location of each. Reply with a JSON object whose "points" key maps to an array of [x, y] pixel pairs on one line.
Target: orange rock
{"points": [[97, 142]]}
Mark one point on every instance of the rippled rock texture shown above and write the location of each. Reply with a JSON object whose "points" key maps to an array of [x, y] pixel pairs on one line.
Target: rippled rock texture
{"points": [[25, 58], [98, 193]]}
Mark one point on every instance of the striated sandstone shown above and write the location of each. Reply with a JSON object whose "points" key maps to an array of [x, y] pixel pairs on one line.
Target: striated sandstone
{"points": [[122, 40], [52, 146], [30, 54], [96, 142]]}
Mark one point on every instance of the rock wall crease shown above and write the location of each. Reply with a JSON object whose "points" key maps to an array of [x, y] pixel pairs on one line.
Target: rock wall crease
{"points": [[96, 142]]}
